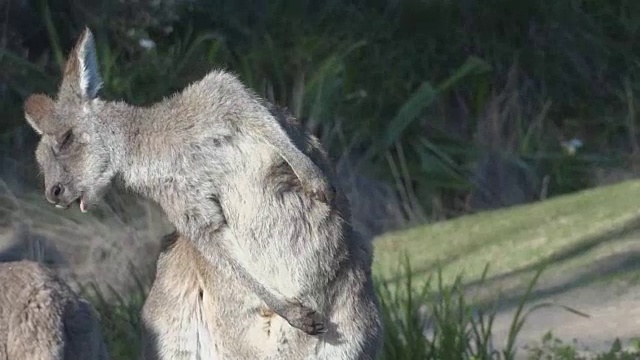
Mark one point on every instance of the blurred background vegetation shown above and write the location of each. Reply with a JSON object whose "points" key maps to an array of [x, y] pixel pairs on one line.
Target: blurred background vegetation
{"points": [[451, 106]]}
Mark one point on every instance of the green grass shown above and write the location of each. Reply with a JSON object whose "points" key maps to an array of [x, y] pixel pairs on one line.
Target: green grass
{"points": [[567, 234]]}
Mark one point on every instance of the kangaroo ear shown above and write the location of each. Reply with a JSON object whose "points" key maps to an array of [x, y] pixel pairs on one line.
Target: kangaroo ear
{"points": [[81, 73], [37, 109]]}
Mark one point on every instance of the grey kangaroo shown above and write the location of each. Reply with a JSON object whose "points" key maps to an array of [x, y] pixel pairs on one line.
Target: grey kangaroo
{"points": [[238, 179], [41, 318]]}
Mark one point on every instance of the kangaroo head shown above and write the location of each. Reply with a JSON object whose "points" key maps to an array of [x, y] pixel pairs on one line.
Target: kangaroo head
{"points": [[73, 153]]}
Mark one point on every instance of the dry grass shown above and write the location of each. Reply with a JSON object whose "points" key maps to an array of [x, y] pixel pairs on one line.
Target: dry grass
{"points": [[106, 247]]}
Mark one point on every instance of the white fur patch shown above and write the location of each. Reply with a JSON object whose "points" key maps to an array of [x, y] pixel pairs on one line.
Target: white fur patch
{"points": [[85, 138], [33, 124], [90, 81]]}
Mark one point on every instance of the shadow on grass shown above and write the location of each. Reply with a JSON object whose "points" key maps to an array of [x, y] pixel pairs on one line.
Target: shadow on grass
{"points": [[615, 264], [612, 265]]}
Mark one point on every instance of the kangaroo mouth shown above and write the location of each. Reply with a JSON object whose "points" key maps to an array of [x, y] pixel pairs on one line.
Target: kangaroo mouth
{"points": [[82, 204], [79, 200]]}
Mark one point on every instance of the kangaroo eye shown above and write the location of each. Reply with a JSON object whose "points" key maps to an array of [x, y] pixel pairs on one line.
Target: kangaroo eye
{"points": [[65, 139]]}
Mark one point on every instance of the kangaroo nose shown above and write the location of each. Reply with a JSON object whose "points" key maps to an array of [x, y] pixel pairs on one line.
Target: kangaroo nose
{"points": [[54, 193]]}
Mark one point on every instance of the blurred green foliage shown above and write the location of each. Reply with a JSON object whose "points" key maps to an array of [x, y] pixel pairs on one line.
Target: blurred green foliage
{"points": [[435, 96]]}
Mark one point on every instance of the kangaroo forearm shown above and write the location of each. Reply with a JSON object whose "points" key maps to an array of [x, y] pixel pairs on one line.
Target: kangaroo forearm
{"points": [[282, 270], [277, 304], [214, 251], [292, 310]]}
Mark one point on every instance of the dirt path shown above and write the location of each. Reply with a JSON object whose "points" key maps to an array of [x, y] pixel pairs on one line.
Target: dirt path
{"points": [[612, 314]]}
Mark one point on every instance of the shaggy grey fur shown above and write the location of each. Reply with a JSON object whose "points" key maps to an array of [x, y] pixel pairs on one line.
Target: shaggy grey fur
{"points": [[254, 194]]}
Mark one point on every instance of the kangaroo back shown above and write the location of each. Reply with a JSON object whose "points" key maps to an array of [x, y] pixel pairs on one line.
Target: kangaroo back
{"points": [[41, 318]]}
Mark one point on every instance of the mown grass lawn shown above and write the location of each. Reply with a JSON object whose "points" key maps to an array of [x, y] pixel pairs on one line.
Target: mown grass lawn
{"points": [[567, 234]]}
